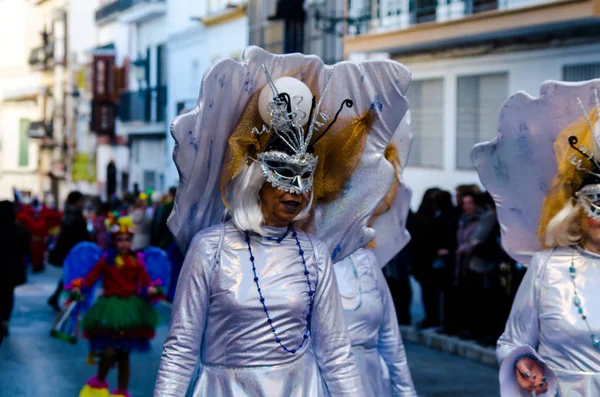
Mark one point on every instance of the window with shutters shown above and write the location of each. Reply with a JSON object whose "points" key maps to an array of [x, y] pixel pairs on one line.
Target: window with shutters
{"points": [[149, 180], [479, 99], [426, 99], [107, 81], [581, 72]]}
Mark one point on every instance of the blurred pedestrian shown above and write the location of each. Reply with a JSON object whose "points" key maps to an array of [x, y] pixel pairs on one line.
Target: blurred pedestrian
{"points": [[483, 274], [176, 258], [142, 221], [467, 226], [397, 275], [14, 245], [161, 235], [422, 250], [99, 234], [123, 319], [73, 230], [461, 191], [442, 245]]}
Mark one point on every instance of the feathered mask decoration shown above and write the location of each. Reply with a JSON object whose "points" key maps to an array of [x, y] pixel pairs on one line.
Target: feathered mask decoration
{"points": [[119, 225]]}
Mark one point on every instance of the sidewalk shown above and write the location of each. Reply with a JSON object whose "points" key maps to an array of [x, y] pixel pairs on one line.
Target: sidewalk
{"points": [[449, 344]]}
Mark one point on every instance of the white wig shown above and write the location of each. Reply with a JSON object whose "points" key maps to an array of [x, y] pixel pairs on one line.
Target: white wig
{"points": [[246, 212], [565, 228]]}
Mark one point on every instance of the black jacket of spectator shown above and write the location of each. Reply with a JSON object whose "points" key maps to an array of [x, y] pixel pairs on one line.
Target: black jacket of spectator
{"points": [[14, 245], [73, 230]]}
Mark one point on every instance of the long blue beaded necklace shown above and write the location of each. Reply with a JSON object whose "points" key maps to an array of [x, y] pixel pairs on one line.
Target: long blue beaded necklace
{"points": [[577, 302], [262, 299]]}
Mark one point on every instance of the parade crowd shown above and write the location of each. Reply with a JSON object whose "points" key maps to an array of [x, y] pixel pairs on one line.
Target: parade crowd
{"points": [[455, 253], [468, 282], [34, 235]]}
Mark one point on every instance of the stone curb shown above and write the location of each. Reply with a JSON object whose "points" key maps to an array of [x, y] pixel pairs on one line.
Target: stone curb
{"points": [[451, 344]]}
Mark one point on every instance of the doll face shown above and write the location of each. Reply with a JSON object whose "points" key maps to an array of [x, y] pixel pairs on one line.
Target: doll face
{"points": [[280, 207], [123, 243]]}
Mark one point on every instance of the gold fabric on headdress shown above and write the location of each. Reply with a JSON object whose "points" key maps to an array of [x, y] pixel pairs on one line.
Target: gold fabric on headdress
{"points": [[242, 145], [568, 178], [338, 152], [339, 155], [391, 155]]}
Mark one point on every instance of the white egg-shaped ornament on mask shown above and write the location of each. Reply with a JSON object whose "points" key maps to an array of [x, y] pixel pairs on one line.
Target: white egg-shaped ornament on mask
{"points": [[300, 96]]}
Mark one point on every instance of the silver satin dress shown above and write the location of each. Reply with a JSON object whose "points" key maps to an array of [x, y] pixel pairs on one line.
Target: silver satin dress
{"points": [[544, 321], [373, 326], [219, 323]]}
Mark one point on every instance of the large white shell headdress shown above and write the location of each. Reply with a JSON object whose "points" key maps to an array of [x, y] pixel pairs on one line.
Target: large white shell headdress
{"points": [[531, 168], [376, 87]]}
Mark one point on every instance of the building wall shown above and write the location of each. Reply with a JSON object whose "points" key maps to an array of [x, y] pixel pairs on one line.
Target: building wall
{"points": [[18, 35], [82, 30], [191, 50], [144, 153], [118, 34], [12, 174], [526, 71]]}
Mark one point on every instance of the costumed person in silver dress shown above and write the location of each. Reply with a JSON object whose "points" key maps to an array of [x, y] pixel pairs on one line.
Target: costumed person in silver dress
{"points": [[543, 171], [257, 310], [366, 298]]}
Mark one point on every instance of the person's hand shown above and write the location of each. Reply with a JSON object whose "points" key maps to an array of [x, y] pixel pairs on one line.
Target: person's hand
{"points": [[152, 291], [76, 291], [530, 376]]}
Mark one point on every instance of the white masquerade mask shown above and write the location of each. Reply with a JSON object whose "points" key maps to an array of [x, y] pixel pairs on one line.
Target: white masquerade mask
{"points": [[589, 199], [287, 163], [293, 174]]}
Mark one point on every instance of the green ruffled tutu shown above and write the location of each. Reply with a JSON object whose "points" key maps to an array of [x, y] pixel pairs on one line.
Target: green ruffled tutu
{"points": [[120, 323]]}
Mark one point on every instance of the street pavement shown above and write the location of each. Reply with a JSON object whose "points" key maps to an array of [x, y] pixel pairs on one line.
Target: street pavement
{"points": [[32, 364]]}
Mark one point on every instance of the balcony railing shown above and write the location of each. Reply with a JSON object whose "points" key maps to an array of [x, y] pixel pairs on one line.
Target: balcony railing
{"points": [[126, 4], [147, 105], [42, 57], [117, 6], [404, 14], [108, 10]]}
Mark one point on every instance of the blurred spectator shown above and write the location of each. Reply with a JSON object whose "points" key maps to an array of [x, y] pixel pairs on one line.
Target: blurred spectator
{"points": [[73, 230], [142, 221], [39, 220], [461, 191], [483, 273], [442, 240], [14, 245], [468, 224], [423, 251], [99, 234], [397, 274], [161, 235], [176, 258]]}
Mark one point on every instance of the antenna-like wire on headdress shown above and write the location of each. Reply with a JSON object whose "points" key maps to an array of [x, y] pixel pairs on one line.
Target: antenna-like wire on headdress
{"points": [[585, 114], [347, 102]]}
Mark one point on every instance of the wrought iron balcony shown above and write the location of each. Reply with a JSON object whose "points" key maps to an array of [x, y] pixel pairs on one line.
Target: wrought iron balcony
{"points": [[42, 58], [131, 10], [107, 11], [147, 105], [391, 17]]}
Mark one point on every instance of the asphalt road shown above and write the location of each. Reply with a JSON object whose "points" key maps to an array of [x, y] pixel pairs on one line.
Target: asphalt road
{"points": [[34, 365]]}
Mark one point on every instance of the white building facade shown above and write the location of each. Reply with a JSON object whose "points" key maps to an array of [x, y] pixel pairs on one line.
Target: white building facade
{"points": [[199, 33], [133, 33], [467, 58]]}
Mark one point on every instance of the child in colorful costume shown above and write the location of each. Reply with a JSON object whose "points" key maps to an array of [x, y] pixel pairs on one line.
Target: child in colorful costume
{"points": [[121, 320]]}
